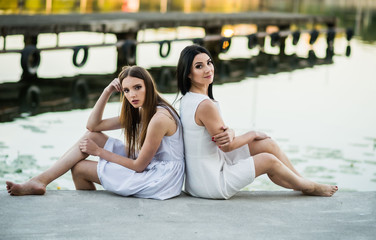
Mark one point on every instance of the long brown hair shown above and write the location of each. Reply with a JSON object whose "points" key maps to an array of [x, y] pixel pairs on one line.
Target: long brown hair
{"points": [[135, 121]]}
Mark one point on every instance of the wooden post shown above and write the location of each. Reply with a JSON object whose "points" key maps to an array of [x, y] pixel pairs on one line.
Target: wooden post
{"points": [[213, 46], [126, 50], [282, 40], [30, 40], [261, 40]]}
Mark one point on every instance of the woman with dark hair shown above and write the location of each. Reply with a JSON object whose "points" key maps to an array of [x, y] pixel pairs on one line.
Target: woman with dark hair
{"points": [[218, 163], [150, 165]]}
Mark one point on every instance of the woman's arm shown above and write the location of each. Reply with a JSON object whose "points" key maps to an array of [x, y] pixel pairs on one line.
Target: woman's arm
{"points": [[159, 126], [208, 115], [95, 122], [224, 137]]}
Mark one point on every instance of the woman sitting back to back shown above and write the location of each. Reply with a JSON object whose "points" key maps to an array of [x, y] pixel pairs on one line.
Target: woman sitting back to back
{"points": [[150, 165], [218, 164]]}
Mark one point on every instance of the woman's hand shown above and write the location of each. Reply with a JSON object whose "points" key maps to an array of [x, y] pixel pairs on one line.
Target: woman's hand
{"points": [[114, 86], [261, 136], [90, 147], [225, 137], [96, 123]]}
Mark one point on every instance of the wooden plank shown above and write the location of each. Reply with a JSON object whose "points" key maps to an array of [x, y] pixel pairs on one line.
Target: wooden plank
{"points": [[132, 22]]}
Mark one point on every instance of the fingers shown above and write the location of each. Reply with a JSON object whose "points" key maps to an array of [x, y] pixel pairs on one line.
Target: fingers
{"points": [[223, 146], [116, 84], [224, 137], [83, 145], [88, 146], [221, 140], [262, 137], [224, 128], [221, 136]]}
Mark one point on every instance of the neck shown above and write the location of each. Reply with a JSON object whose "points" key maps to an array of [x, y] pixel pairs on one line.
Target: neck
{"points": [[202, 90]]}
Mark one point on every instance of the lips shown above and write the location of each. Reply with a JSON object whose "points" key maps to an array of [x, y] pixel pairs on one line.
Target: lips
{"points": [[135, 102]]}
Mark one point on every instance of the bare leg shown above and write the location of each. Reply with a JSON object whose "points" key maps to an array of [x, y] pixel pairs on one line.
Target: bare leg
{"points": [[270, 146], [37, 185], [285, 177], [84, 175]]}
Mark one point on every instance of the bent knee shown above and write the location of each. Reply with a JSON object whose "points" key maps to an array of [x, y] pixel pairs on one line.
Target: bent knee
{"points": [[78, 168], [98, 137], [266, 163], [271, 160], [270, 145], [266, 156], [267, 145], [93, 135]]}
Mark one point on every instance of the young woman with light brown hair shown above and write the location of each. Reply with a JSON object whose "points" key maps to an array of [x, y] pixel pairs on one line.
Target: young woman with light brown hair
{"points": [[149, 165]]}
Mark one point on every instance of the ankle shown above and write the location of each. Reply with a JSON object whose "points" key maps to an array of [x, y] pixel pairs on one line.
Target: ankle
{"points": [[38, 181]]}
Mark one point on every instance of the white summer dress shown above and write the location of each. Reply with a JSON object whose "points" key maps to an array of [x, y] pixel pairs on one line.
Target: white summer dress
{"points": [[210, 172], [162, 178]]}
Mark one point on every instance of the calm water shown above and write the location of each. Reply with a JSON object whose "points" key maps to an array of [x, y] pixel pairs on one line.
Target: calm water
{"points": [[323, 117]]}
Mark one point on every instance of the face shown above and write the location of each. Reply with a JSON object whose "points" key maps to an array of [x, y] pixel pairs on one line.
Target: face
{"points": [[202, 70], [134, 90]]}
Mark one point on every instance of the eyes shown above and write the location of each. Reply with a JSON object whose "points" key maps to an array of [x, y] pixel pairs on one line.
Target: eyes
{"points": [[136, 88], [200, 65]]}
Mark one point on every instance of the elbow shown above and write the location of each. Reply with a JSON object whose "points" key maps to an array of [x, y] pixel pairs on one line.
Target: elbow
{"points": [[89, 128], [139, 165], [226, 148], [138, 168]]}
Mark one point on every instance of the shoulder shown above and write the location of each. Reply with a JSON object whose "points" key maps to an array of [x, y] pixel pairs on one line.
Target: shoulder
{"points": [[207, 112], [207, 105], [194, 97], [161, 119], [163, 112]]}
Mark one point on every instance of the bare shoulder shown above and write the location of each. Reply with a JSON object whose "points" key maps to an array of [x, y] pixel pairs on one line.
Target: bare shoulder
{"points": [[163, 121], [207, 114], [163, 114], [207, 106]]}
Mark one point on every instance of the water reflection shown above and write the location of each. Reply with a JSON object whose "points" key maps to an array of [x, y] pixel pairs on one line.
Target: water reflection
{"points": [[27, 98], [39, 95]]}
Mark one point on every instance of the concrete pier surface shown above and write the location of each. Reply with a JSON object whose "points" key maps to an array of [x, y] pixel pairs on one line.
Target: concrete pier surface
{"points": [[248, 215]]}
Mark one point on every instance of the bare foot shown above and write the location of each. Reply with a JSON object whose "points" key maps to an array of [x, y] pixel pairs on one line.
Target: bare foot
{"points": [[322, 190], [31, 187]]}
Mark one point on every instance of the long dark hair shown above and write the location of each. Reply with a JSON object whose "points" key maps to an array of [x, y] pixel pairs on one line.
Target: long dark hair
{"points": [[135, 121], [184, 68]]}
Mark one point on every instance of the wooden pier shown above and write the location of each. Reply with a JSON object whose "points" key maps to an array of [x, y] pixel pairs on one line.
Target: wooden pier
{"points": [[29, 96], [120, 23]]}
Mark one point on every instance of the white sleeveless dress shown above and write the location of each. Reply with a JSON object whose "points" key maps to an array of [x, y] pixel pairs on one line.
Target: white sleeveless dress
{"points": [[210, 172], [162, 178]]}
